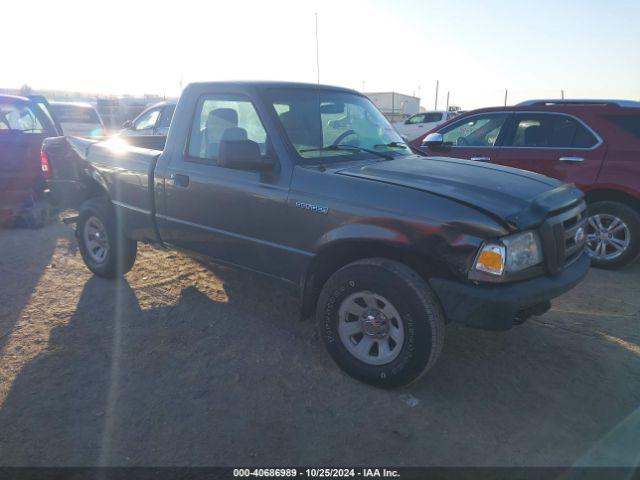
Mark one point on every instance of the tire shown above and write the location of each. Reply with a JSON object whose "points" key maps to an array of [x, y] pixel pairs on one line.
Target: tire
{"points": [[626, 233], [97, 218], [417, 311]]}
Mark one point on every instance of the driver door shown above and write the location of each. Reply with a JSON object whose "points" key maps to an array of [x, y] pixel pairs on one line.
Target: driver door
{"points": [[472, 138]]}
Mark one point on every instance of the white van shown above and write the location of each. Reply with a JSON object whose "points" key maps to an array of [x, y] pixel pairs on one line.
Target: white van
{"points": [[421, 123]]}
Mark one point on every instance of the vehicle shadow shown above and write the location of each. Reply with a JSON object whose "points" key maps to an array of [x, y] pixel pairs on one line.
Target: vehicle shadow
{"points": [[22, 270], [241, 381]]}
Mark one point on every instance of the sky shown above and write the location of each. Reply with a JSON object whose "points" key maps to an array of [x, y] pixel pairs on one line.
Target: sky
{"points": [[475, 49]]}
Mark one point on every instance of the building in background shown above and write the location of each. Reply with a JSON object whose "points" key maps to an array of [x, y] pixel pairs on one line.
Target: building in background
{"points": [[395, 106]]}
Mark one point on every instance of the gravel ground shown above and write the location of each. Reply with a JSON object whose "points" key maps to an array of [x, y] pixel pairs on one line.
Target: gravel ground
{"points": [[183, 363]]}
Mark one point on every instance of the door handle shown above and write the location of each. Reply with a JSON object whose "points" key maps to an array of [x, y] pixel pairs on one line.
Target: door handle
{"points": [[480, 159], [571, 159], [179, 180]]}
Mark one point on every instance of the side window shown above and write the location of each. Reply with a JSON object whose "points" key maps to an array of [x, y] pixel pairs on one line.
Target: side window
{"points": [[222, 117], [432, 117], [147, 120], [630, 123], [167, 115], [18, 117], [477, 131], [416, 119], [551, 131]]}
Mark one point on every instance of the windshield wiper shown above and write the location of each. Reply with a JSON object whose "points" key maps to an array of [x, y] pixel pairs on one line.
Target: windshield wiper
{"points": [[345, 147], [392, 145]]}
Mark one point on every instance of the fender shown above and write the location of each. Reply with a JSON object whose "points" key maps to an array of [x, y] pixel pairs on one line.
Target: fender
{"points": [[362, 232]]}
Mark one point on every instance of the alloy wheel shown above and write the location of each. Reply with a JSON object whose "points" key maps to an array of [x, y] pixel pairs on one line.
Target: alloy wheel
{"points": [[608, 236]]}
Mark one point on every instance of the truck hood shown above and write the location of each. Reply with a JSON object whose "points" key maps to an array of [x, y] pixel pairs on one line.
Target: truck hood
{"points": [[519, 198]]}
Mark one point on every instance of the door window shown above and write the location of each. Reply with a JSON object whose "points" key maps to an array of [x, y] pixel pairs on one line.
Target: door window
{"points": [[477, 131], [630, 123], [147, 120], [416, 119], [549, 131], [19, 117], [432, 117], [224, 117]]}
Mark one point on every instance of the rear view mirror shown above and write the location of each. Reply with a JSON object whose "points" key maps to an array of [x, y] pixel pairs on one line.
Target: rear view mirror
{"points": [[128, 124], [332, 108], [433, 140], [243, 155]]}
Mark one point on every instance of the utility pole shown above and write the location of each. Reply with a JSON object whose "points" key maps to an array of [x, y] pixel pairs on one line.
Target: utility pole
{"points": [[506, 94], [562, 94], [362, 86], [437, 87], [447, 101], [318, 51]]}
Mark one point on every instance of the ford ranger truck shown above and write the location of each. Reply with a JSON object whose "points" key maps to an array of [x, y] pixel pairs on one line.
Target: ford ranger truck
{"points": [[311, 185]]}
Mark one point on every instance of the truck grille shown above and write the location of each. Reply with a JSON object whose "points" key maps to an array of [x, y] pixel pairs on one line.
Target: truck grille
{"points": [[560, 243]]}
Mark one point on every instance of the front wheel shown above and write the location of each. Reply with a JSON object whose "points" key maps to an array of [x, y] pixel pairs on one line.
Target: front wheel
{"points": [[381, 322], [613, 234], [104, 249]]}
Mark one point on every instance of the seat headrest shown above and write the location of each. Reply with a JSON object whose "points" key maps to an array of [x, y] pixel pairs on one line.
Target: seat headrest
{"points": [[234, 133], [220, 115], [533, 136]]}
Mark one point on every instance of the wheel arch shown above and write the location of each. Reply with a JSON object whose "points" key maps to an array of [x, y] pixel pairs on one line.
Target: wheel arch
{"points": [[611, 195], [335, 255]]}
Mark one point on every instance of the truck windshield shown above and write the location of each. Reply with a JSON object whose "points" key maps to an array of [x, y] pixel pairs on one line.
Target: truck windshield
{"points": [[318, 121]]}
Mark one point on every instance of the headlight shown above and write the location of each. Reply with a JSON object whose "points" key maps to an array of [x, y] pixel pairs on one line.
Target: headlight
{"points": [[523, 251], [511, 254]]}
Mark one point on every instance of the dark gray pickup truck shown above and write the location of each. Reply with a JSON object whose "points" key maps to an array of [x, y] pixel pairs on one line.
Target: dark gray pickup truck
{"points": [[311, 185]]}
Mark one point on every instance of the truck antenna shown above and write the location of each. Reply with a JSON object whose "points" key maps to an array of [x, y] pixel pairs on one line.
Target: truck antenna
{"points": [[317, 50]]}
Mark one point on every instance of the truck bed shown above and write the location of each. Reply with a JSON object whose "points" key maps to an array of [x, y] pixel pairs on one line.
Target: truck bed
{"points": [[69, 162]]}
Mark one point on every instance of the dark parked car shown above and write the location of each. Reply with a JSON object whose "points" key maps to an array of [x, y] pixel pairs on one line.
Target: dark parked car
{"points": [[594, 144], [24, 124], [311, 185]]}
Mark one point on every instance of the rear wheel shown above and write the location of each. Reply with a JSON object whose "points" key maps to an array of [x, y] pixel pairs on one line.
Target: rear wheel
{"points": [[381, 322], [613, 234], [105, 250]]}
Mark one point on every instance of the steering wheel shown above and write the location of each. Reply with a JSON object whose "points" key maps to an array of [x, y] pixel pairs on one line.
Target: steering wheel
{"points": [[463, 142], [342, 136]]}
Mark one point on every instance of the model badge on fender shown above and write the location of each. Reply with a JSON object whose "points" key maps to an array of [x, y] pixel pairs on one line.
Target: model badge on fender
{"points": [[312, 207]]}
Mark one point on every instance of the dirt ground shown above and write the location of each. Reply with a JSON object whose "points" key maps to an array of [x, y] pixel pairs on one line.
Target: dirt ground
{"points": [[189, 364]]}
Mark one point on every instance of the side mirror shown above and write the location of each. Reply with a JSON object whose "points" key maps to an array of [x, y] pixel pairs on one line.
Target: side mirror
{"points": [[243, 155], [128, 124], [433, 140]]}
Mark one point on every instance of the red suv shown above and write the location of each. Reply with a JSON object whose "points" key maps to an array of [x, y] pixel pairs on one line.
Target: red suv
{"points": [[594, 144]]}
